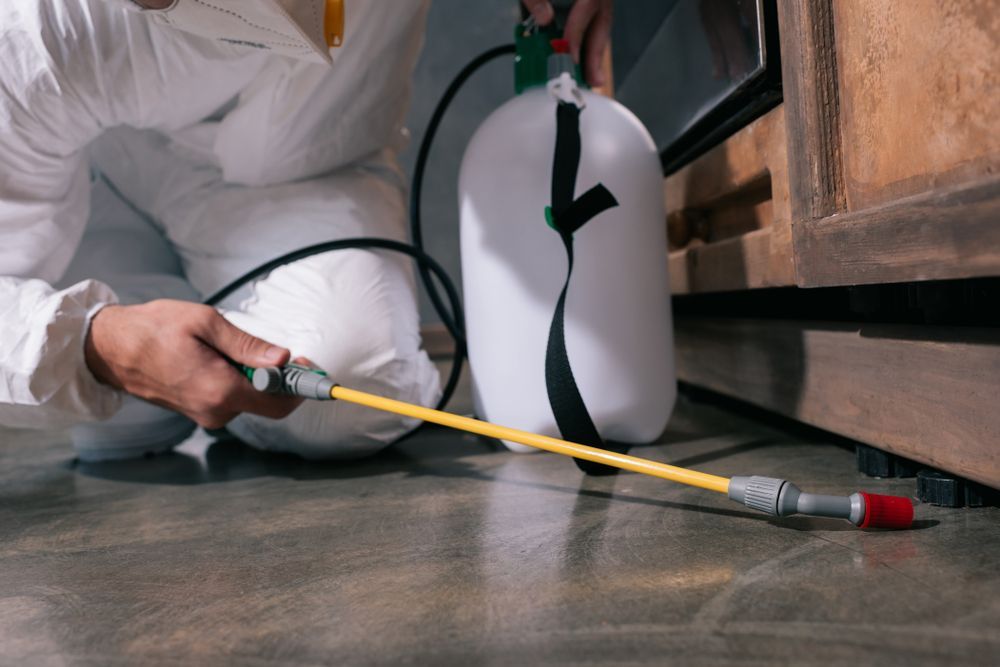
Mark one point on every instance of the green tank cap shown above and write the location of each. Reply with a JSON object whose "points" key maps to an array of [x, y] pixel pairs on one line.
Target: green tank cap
{"points": [[531, 62]]}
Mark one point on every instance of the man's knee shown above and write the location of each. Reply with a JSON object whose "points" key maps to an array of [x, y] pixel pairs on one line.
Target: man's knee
{"points": [[356, 320]]}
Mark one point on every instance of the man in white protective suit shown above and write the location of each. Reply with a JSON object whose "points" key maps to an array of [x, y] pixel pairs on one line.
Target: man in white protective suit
{"points": [[153, 151]]}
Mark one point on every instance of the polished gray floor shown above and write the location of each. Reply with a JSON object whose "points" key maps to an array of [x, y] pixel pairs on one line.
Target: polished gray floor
{"points": [[447, 550]]}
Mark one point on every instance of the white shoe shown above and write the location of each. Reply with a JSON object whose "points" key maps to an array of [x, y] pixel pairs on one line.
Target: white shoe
{"points": [[139, 428]]}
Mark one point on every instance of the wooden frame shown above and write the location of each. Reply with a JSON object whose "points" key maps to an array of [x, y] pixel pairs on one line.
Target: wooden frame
{"points": [[953, 233], [812, 108], [741, 184], [926, 393], [944, 233]]}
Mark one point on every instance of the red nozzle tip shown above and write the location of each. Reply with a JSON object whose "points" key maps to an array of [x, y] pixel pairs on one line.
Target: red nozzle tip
{"points": [[892, 512], [560, 45]]}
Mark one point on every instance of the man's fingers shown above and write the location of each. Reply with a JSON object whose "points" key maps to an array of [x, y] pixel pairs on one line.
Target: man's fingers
{"points": [[598, 38], [231, 393], [243, 397], [541, 10], [238, 345], [226, 393], [580, 16], [305, 361], [248, 399], [234, 393], [590, 19]]}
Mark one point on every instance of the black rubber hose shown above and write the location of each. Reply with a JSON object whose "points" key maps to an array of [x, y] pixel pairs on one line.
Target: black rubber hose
{"points": [[416, 189]]}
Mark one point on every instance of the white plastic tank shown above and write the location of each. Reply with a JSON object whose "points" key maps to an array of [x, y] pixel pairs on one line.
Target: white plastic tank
{"points": [[618, 325]]}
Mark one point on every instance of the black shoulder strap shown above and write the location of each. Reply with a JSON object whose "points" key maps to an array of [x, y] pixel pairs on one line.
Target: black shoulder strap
{"points": [[566, 215]]}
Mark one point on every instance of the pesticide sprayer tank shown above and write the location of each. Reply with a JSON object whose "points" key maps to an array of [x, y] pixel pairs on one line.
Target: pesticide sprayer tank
{"points": [[618, 325]]}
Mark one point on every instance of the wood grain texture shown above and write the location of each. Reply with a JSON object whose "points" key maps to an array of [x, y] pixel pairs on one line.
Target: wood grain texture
{"points": [[919, 84], [954, 233], [742, 262], [728, 217], [740, 163], [812, 108], [925, 393]]}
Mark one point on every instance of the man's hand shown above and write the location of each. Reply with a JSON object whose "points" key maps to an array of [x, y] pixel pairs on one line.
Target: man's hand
{"points": [[173, 353], [589, 21]]}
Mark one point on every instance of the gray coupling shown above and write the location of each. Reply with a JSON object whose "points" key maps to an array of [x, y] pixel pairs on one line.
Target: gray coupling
{"points": [[559, 63], [779, 497], [293, 381], [759, 493]]}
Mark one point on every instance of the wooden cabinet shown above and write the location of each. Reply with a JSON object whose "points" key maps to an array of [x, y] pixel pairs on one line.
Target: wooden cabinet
{"points": [[917, 83], [881, 167]]}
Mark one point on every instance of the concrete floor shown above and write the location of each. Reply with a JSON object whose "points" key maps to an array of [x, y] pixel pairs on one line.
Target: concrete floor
{"points": [[446, 550]]}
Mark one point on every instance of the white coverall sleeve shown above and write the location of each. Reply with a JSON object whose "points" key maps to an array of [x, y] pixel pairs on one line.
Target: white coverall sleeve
{"points": [[44, 206], [44, 380]]}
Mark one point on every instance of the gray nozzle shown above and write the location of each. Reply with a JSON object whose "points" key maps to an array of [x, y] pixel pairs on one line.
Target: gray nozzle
{"points": [[559, 63], [267, 380], [778, 497], [293, 381]]}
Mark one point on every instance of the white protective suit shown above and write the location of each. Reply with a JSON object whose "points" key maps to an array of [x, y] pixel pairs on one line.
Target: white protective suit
{"points": [[138, 161]]}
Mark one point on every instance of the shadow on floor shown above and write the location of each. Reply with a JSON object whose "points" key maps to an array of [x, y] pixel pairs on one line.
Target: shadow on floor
{"points": [[433, 450], [231, 460], [429, 455]]}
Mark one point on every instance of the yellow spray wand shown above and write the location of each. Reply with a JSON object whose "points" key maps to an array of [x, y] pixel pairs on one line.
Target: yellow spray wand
{"points": [[549, 444], [767, 494]]}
